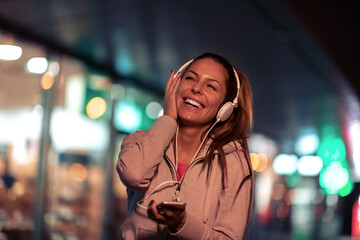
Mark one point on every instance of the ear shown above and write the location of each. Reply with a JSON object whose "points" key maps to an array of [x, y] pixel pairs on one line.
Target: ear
{"points": [[225, 112]]}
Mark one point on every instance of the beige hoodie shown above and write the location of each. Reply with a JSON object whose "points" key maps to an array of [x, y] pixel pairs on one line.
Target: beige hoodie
{"points": [[215, 209]]}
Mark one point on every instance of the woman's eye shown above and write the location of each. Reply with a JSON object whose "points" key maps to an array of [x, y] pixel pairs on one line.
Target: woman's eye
{"points": [[212, 87], [189, 78]]}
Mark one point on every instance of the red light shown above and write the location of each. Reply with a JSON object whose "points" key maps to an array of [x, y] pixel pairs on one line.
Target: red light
{"points": [[355, 223]]}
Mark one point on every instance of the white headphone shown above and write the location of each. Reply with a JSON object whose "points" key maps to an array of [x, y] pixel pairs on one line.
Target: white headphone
{"points": [[227, 109]]}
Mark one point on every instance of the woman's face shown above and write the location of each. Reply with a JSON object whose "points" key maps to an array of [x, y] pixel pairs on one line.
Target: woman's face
{"points": [[201, 91]]}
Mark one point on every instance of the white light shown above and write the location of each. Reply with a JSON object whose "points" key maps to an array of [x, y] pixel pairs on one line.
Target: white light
{"points": [[37, 65], [261, 144], [13, 128], [153, 109], [285, 164], [307, 144], [334, 177], [73, 131], [309, 165], [354, 133], [75, 93], [34, 122], [127, 117], [161, 113], [302, 196], [54, 68], [10, 52]]}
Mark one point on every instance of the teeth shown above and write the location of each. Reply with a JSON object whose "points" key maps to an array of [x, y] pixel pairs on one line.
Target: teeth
{"points": [[192, 102]]}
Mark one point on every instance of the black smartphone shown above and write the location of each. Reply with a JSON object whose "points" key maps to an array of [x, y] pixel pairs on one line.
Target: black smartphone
{"points": [[171, 205]]}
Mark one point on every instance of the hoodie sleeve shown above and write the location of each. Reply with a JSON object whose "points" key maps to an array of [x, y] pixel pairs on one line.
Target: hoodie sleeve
{"points": [[142, 151], [234, 206]]}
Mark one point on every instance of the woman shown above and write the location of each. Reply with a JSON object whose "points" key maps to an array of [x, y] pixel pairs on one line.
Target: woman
{"points": [[193, 155]]}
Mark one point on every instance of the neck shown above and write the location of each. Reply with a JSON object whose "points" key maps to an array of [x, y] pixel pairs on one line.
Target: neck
{"points": [[189, 142], [190, 136]]}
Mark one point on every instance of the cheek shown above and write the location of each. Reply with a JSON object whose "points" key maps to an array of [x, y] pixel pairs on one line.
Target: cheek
{"points": [[218, 100], [180, 88]]}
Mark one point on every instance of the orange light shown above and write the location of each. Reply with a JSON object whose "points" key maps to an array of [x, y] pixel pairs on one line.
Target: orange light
{"points": [[19, 188], [278, 191], [255, 161], [78, 172], [263, 163], [47, 80], [96, 107]]}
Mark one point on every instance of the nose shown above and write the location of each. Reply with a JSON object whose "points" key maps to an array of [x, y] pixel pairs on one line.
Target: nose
{"points": [[197, 88]]}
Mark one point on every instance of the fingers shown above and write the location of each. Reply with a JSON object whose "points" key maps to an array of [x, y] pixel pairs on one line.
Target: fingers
{"points": [[170, 103], [175, 219], [154, 214], [172, 83], [171, 77]]}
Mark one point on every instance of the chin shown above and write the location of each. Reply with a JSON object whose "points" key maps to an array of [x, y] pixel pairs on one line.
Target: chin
{"points": [[194, 120]]}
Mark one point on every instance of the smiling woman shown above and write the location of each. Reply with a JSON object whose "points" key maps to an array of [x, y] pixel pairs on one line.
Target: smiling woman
{"points": [[201, 92], [202, 139]]}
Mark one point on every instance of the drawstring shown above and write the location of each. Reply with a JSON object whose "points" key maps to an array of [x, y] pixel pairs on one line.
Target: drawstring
{"points": [[209, 192], [202, 142], [141, 201]]}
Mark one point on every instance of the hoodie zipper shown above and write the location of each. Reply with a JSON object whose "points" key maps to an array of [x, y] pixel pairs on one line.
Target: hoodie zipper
{"points": [[173, 169], [190, 165]]}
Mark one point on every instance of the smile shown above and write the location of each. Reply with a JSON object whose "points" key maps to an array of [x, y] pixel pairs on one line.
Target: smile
{"points": [[193, 103]]}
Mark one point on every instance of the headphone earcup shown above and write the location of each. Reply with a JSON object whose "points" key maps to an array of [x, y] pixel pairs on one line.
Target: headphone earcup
{"points": [[225, 112]]}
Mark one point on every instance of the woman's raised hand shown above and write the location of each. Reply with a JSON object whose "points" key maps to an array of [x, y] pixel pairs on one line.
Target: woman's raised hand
{"points": [[170, 104]]}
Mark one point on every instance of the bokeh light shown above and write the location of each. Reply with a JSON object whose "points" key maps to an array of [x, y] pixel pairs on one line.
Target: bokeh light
{"points": [[19, 188], [292, 179], [307, 143], [127, 117], [285, 164], [54, 68], [332, 149], [309, 165], [47, 80], [153, 109], [255, 160], [278, 191], [259, 162], [37, 65], [354, 135], [347, 189], [10, 52], [333, 178], [96, 107], [78, 172]]}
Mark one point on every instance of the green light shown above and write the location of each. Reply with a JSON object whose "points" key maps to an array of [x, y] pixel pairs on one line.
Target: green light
{"points": [[332, 149], [293, 179], [347, 189], [333, 178]]}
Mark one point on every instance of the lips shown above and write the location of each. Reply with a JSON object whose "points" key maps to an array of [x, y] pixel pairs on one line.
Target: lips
{"points": [[193, 103]]}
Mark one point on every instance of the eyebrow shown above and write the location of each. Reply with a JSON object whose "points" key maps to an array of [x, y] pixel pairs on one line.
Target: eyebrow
{"points": [[213, 80]]}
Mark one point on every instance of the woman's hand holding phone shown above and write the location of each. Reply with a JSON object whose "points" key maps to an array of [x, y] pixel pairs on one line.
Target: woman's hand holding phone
{"points": [[174, 206], [172, 214]]}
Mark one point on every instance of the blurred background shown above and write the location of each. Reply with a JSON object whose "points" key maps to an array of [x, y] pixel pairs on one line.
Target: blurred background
{"points": [[77, 76]]}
